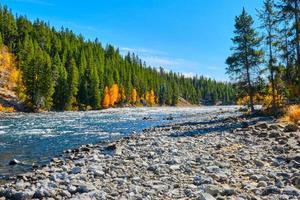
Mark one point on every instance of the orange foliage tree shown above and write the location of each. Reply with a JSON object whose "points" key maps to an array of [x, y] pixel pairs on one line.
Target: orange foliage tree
{"points": [[114, 94], [106, 98]]}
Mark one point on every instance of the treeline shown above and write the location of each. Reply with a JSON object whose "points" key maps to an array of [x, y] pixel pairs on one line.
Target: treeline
{"points": [[265, 62], [63, 71]]}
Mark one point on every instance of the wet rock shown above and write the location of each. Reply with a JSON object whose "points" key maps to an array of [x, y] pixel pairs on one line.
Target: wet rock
{"points": [[244, 124], [14, 162]]}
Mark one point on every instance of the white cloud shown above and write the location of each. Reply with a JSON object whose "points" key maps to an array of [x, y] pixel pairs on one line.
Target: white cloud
{"points": [[157, 58], [188, 74]]}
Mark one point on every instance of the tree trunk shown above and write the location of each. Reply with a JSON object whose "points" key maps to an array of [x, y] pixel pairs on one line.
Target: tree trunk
{"points": [[250, 91], [271, 68], [297, 40]]}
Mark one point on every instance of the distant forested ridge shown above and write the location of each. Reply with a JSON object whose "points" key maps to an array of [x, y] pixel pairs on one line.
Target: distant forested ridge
{"points": [[59, 70]]}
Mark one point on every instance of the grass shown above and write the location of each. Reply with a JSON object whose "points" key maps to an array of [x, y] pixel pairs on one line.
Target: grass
{"points": [[292, 114]]}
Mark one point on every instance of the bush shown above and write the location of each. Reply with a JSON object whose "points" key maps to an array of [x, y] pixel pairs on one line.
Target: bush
{"points": [[292, 114], [6, 109]]}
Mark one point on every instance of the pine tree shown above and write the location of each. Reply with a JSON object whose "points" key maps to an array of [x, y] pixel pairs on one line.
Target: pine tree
{"points": [[61, 84], [1, 40], [83, 84], [290, 10], [73, 78], [46, 83], [269, 22], [246, 56]]}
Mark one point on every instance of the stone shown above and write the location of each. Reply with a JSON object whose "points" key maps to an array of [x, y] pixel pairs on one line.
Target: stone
{"points": [[65, 193], [296, 181], [76, 170], [84, 188], [25, 195], [14, 162], [188, 192], [262, 125], [98, 173], [259, 163], [270, 190], [214, 190], [72, 189], [274, 127], [294, 164], [263, 134], [212, 169], [291, 191], [205, 196], [41, 193], [291, 128], [262, 184], [228, 192], [274, 134]]}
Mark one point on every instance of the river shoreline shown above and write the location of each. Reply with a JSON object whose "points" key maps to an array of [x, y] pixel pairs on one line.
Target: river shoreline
{"points": [[219, 157]]}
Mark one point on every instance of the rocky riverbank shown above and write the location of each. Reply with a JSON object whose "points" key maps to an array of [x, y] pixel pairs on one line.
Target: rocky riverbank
{"points": [[232, 158]]}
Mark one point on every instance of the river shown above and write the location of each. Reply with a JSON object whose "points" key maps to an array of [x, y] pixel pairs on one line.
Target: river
{"points": [[38, 137]]}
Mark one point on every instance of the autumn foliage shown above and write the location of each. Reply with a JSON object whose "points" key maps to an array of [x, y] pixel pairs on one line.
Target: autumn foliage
{"points": [[134, 96], [6, 109], [10, 76], [111, 96], [106, 98], [292, 114], [150, 98], [114, 94]]}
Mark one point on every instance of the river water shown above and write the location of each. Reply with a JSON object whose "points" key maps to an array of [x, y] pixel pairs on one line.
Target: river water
{"points": [[37, 137]]}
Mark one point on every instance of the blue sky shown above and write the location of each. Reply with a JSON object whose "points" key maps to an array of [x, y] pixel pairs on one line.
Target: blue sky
{"points": [[186, 36]]}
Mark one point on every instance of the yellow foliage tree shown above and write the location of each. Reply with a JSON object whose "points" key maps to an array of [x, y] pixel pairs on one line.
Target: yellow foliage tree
{"points": [[106, 98], [134, 96], [10, 76], [114, 94], [150, 98]]}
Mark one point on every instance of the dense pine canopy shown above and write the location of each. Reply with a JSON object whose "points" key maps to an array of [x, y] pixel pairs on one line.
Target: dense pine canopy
{"points": [[63, 71]]}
